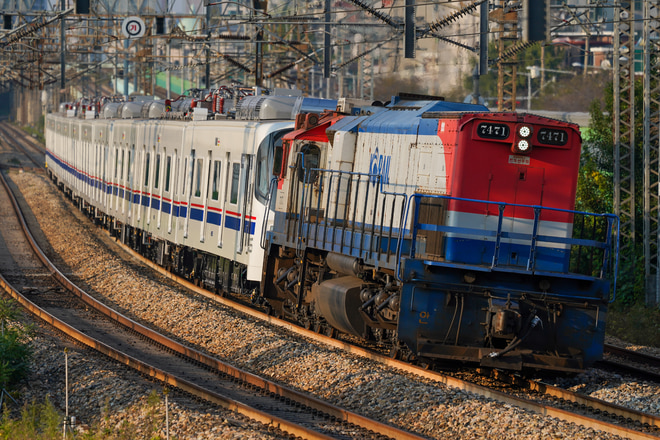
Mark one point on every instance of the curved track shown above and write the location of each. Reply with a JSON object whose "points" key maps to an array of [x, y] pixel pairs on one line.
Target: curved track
{"points": [[168, 361]]}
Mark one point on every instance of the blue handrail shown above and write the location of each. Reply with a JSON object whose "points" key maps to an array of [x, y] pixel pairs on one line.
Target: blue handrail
{"points": [[612, 234]]}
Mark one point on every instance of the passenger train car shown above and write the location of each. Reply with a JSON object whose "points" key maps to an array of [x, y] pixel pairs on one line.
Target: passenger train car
{"points": [[187, 191], [441, 230]]}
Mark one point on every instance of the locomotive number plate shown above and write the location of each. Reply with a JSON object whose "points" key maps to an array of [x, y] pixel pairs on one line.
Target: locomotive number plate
{"points": [[553, 136], [490, 130]]}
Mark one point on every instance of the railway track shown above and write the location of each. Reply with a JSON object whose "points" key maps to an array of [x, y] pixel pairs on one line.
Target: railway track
{"points": [[611, 426], [67, 308], [631, 362]]}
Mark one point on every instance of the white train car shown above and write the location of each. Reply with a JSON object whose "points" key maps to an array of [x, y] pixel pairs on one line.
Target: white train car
{"points": [[190, 194]]}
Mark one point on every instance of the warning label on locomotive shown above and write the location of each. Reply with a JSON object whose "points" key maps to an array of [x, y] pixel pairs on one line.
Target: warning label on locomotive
{"points": [[518, 160]]}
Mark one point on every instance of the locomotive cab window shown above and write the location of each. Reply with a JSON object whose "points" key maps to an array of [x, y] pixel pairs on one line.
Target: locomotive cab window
{"points": [[309, 159]]}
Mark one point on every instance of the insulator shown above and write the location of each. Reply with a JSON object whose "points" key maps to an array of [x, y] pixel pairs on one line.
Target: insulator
{"points": [[455, 16]]}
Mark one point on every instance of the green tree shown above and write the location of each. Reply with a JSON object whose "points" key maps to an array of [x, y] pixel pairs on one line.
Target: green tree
{"points": [[596, 185]]}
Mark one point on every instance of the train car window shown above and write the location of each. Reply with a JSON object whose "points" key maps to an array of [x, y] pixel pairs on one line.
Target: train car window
{"points": [[198, 177], [116, 163], [147, 162], [129, 175], [157, 172], [183, 179], [269, 158], [215, 190], [168, 171], [236, 174], [264, 155], [311, 156], [122, 165]]}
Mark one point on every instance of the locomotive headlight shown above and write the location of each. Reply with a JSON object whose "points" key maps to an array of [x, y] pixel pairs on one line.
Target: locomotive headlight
{"points": [[525, 131], [522, 146], [522, 142]]}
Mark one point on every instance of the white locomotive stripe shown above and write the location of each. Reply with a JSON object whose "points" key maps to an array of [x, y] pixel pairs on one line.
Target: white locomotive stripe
{"points": [[517, 225]]}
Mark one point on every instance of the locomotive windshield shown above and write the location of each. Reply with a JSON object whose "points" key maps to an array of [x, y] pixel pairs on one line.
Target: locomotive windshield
{"points": [[264, 165]]}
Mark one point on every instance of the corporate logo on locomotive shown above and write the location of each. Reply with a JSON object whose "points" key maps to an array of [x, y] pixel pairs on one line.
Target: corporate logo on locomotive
{"points": [[379, 165]]}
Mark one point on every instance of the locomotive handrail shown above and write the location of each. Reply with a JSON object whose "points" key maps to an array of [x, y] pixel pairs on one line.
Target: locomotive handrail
{"points": [[324, 179], [611, 236]]}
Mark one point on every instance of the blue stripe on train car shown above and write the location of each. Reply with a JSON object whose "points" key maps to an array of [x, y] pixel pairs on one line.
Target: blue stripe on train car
{"points": [[196, 214], [179, 211], [235, 223], [213, 218]]}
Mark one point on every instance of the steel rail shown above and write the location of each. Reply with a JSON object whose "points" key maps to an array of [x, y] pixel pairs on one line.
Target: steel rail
{"points": [[582, 400], [635, 356], [640, 358]]}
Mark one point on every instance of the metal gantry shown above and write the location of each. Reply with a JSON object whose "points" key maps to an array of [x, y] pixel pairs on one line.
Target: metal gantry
{"points": [[624, 128], [651, 102]]}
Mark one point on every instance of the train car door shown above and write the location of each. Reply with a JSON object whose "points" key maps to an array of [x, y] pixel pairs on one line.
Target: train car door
{"points": [[223, 197], [188, 191], [245, 203], [205, 182], [173, 194]]}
